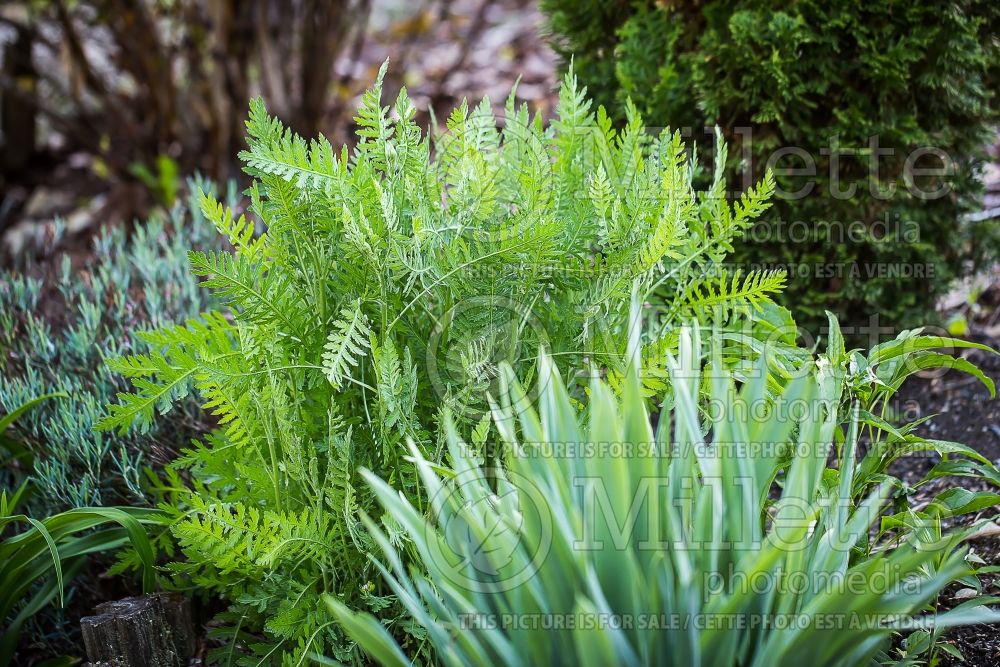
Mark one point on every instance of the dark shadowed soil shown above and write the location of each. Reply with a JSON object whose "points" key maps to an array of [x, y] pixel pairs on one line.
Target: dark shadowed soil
{"points": [[964, 412]]}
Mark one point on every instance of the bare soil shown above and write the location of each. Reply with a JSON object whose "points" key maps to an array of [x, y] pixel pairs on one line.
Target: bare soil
{"points": [[964, 412]]}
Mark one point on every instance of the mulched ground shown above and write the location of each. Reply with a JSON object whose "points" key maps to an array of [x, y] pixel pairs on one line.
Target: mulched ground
{"points": [[964, 413]]}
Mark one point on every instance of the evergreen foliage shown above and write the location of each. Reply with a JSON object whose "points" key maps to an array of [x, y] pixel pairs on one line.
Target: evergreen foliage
{"points": [[822, 78]]}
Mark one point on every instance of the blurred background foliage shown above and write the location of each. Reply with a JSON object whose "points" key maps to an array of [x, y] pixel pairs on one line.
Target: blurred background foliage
{"points": [[131, 81], [107, 105], [813, 82]]}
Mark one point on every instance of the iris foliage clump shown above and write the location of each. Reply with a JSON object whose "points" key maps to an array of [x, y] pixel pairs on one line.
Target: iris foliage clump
{"points": [[736, 545]]}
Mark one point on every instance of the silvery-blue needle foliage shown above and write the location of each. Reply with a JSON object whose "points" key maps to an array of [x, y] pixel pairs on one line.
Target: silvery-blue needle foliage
{"points": [[392, 280], [602, 543], [57, 331]]}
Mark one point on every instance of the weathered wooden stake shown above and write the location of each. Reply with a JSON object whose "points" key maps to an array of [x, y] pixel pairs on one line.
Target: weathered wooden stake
{"points": [[148, 631]]}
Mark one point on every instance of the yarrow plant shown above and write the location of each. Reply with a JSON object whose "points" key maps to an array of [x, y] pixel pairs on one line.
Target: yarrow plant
{"points": [[392, 281]]}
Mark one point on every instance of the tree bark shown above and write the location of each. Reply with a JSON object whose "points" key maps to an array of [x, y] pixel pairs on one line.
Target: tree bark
{"points": [[17, 119], [151, 630]]}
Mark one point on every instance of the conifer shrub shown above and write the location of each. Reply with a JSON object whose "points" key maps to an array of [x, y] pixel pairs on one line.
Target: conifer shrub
{"points": [[872, 116]]}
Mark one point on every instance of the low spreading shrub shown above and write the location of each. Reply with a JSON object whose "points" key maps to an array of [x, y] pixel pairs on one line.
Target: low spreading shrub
{"points": [[391, 282], [56, 333], [852, 105], [727, 540], [36, 564]]}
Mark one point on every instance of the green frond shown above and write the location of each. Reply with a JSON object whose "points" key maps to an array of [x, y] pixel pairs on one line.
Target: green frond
{"points": [[167, 373], [397, 386], [173, 378], [754, 202], [374, 127], [262, 295], [240, 233], [725, 294], [573, 108], [347, 344], [277, 151]]}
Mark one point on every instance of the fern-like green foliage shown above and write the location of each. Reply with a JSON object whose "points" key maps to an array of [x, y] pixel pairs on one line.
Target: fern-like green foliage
{"points": [[392, 280]]}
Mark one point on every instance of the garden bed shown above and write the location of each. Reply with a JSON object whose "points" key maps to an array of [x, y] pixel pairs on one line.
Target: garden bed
{"points": [[964, 413], [300, 403]]}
